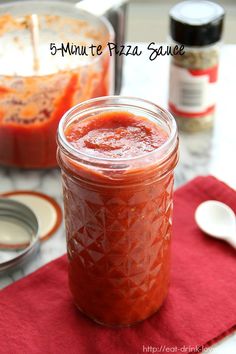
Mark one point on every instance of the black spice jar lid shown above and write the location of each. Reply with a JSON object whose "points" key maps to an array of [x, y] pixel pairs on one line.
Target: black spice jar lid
{"points": [[196, 23]]}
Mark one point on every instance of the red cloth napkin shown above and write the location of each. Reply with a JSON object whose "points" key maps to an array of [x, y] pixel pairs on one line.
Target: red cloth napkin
{"points": [[37, 314]]}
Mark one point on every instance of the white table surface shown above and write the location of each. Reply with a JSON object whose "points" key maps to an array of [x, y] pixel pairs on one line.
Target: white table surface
{"points": [[211, 152]]}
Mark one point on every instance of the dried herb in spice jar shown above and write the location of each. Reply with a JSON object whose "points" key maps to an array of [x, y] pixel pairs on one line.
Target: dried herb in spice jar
{"points": [[193, 76]]}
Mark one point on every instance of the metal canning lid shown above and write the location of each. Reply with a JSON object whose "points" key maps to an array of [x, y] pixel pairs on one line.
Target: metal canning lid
{"points": [[46, 209], [196, 23], [19, 238]]}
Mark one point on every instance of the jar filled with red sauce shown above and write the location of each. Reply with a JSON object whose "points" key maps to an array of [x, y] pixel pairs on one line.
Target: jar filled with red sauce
{"points": [[117, 156], [46, 68]]}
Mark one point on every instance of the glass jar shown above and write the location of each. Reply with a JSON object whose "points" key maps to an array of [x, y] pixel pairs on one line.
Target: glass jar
{"points": [[196, 25], [118, 216], [42, 84]]}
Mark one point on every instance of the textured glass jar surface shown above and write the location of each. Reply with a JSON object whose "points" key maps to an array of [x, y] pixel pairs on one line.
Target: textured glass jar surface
{"points": [[34, 97], [118, 228]]}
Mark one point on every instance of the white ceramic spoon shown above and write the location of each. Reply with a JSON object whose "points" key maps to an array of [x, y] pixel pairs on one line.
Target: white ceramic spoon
{"points": [[218, 220]]}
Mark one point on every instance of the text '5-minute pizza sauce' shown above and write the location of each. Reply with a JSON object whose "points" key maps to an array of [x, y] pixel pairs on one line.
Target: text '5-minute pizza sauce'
{"points": [[117, 157]]}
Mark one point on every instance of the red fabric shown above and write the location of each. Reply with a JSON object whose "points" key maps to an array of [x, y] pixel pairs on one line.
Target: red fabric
{"points": [[37, 314]]}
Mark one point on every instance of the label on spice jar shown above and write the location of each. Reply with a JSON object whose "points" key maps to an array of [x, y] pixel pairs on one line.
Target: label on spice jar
{"points": [[192, 93]]}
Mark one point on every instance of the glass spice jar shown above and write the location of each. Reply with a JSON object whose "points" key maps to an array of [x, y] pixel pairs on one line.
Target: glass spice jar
{"points": [[193, 76]]}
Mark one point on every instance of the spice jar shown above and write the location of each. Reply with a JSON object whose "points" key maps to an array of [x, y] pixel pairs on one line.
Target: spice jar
{"points": [[117, 156], [193, 76]]}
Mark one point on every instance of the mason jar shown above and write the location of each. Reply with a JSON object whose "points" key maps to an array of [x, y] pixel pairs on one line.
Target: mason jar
{"points": [[118, 208]]}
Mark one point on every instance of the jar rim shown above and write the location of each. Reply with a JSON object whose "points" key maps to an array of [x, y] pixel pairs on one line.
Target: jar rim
{"points": [[157, 110]]}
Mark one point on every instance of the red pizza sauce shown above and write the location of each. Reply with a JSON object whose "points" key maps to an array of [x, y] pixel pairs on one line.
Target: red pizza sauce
{"points": [[36, 90], [118, 222], [31, 109], [115, 135]]}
